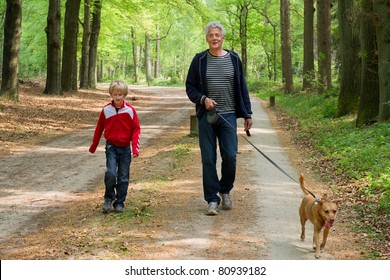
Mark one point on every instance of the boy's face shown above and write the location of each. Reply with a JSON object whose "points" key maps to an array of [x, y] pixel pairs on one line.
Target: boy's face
{"points": [[118, 97]]}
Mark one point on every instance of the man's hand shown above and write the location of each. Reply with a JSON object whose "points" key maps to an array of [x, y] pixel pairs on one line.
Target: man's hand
{"points": [[248, 124], [209, 104]]}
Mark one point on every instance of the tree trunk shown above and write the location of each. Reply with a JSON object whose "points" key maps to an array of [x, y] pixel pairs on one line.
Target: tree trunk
{"points": [[135, 55], [287, 75], [308, 46], [274, 52], [53, 35], [85, 46], [244, 10], [93, 43], [148, 66], [69, 53], [157, 47], [324, 44], [382, 25], [350, 66], [369, 88], [12, 32]]}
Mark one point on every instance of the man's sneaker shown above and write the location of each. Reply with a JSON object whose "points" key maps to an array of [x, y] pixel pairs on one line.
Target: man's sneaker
{"points": [[226, 201], [119, 208], [107, 205], [213, 209]]}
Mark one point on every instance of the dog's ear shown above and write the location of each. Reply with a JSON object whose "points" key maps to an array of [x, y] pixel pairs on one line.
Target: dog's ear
{"points": [[337, 201], [319, 202]]}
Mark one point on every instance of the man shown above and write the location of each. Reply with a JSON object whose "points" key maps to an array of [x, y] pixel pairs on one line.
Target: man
{"points": [[216, 84]]}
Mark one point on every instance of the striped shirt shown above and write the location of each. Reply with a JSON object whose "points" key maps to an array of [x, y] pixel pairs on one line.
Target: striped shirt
{"points": [[220, 82]]}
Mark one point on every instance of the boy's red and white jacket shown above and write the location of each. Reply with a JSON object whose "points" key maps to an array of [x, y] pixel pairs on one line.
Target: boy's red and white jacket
{"points": [[120, 127]]}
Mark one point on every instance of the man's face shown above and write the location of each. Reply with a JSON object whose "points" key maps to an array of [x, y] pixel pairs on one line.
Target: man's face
{"points": [[214, 38]]}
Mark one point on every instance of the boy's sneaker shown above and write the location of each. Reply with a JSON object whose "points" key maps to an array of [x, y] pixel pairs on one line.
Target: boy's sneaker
{"points": [[213, 209], [107, 205], [226, 201], [119, 208]]}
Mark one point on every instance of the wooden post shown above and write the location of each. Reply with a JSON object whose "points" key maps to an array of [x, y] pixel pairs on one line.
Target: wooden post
{"points": [[272, 101], [193, 125]]}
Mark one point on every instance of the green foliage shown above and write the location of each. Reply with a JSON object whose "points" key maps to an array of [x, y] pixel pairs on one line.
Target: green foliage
{"points": [[361, 153], [180, 23]]}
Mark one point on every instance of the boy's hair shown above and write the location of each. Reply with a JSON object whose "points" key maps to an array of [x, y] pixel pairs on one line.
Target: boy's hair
{"points": [[214, 24], [118, 85]]}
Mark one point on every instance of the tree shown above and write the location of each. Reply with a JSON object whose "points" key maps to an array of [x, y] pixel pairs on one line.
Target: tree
{"points": [[12, 32], [135, 55], [157, 63], [287, 73], [382, 26], [243, 18], [324, 44], [84, 66], [241, 13], [93, 43], [350, 66], [308, 46], [53, 35], [158, 53], [69, 53], [270, 54], [148, 63], [369, 88]]}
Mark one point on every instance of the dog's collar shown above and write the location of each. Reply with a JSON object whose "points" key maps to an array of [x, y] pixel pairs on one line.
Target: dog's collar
{"points": [[317, 200]]}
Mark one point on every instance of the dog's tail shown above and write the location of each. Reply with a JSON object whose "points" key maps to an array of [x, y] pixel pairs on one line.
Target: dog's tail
{"points": [[302, 183]]}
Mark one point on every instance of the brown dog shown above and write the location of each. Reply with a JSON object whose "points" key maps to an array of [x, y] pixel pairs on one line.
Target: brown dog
{"points": [[322, 213]]}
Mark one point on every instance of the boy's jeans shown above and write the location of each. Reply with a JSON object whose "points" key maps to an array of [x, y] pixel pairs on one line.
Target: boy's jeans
{"points": [[118, 172], [228, 146]]}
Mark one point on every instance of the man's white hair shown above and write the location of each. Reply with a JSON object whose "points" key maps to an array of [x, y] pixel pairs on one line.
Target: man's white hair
{"points": [[214, 24]]}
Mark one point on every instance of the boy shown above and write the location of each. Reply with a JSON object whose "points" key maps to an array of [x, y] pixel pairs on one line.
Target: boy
{"points": [[120, 124]]}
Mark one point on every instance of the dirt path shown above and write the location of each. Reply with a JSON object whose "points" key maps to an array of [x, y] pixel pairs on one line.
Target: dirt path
{"points": [[264, 223]]}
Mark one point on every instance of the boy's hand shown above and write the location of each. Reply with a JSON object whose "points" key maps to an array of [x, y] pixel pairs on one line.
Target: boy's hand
{"points": [[92, 149], [135, 155]]}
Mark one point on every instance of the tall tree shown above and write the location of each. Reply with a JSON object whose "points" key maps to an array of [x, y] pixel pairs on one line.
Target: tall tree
{"points": [[369, 88], [69, 53], [271, 55], [324, 43], [12, 32], [157, 50], [243, 18], [382, 26], [93, 43], [148, 61], [241, 13], [135, 54], [53, 35], [84, 66], [308, 46], [287, 72], [350, 63]]}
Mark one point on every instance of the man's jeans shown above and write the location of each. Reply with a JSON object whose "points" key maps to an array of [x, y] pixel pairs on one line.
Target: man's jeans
{"points": [[118, 172], [224, 130]]}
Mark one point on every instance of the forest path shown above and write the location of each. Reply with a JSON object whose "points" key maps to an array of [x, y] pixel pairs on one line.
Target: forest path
{"points": [[263, 224]]}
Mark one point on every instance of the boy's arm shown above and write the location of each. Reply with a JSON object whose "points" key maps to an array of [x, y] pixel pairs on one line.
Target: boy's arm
{"points": [[98, 133], [136, 133]]}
